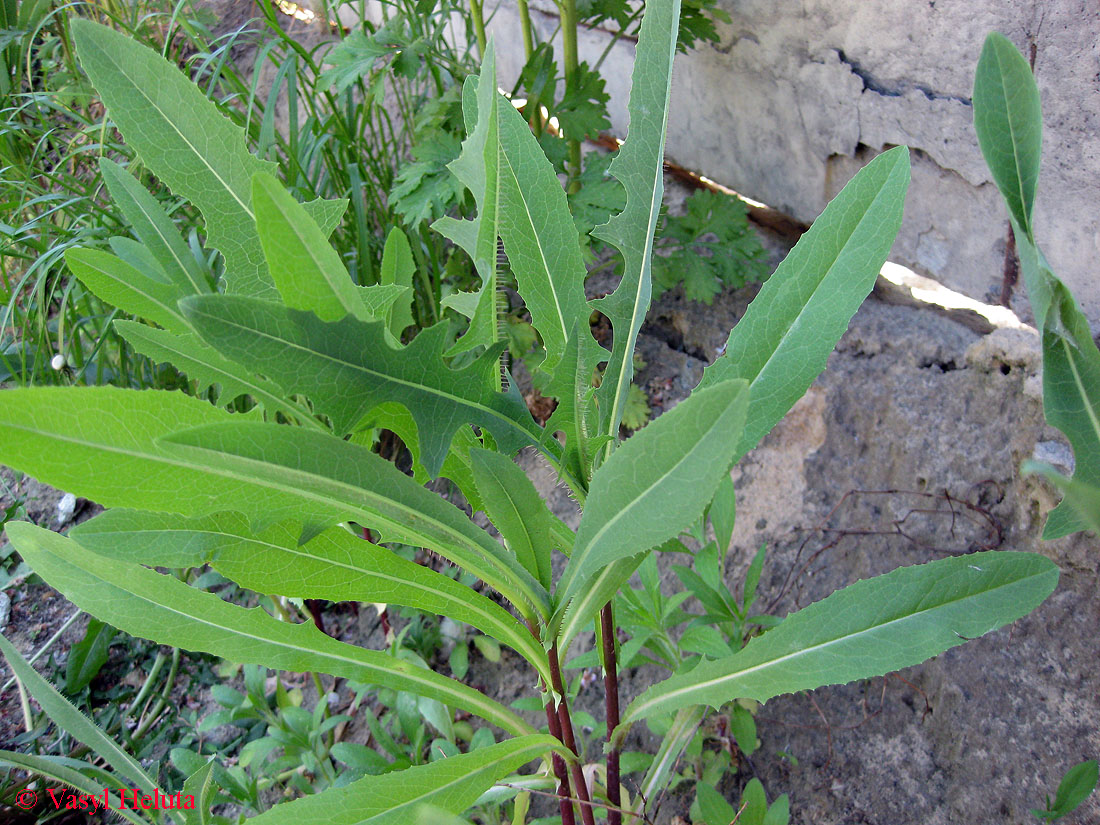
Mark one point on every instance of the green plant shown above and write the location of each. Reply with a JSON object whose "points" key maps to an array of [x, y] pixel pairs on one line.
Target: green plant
{"points": [[712, 809], [278, 507], [1009, 122], [55, 756], [53, 330], [1075, 787]]}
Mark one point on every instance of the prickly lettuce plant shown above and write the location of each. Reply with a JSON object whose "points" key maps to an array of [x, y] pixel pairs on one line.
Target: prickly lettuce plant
{"points": [[1009, 122], [268, 495]]}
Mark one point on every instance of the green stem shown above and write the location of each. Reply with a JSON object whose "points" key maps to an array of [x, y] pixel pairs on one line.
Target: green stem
{"points": [[525, 28], [162, 702], [479, 26], [147, 687], [569, 26], [616, 37], [423, 271]]}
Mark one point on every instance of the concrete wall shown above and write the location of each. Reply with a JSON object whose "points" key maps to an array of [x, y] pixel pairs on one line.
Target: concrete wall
{"points": [[799, 95]]}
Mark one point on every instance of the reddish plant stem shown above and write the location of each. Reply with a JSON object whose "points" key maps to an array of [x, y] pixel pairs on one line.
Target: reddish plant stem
{"points": [[1011, 269], [611, 700], [567, 738], [565, 799], [564, 803]]}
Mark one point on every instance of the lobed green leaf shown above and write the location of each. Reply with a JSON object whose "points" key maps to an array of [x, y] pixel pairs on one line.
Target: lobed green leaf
{"points": [[348, 367], [205, 365], [543, 251], [184, 140], [478, 169], [638, 166], [191, 146]]}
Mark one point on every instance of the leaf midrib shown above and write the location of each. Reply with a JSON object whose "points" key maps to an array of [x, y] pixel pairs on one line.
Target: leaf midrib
{"points": [[456, 781], [170, 310], [337, 280], [400, 667], [1081, 389], [512, 636], [634, 712], [534, 236], [225, 472], [580, 558], [141, 90], [1015, 145], [365, 371], [788, 330], [166, 240]]}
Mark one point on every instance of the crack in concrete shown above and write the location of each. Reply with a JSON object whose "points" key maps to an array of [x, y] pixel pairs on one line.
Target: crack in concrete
{"points": [[898, 88]]}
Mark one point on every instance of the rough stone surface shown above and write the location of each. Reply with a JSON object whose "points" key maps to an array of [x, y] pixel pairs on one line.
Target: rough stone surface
{"points": [[907, 449], [798, 95]]}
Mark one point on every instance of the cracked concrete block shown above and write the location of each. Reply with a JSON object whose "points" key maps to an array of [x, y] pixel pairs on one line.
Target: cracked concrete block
{"points": [[795, 90]]}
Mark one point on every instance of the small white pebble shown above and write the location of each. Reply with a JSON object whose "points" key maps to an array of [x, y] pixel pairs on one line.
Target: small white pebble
{"points": [[65, 509], [58, 362], [332, 698]]}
